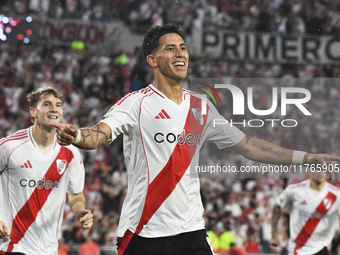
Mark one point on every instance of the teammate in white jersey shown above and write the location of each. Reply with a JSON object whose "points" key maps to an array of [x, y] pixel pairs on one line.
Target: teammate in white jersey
{"points": [[314, 217], [36, 173], [163, 130]]}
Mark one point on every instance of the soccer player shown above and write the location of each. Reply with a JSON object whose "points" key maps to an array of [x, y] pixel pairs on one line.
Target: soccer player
{"points": [[314, 217], [35, 175], [163, 130]]}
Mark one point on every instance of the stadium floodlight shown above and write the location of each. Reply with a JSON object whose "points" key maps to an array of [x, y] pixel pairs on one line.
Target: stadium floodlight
{"points": [[5, 20], [3, 37]]}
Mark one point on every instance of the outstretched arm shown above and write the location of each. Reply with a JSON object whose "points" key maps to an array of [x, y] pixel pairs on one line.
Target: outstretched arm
{"points": [[77, 203], [84, 138], [263, 151]]}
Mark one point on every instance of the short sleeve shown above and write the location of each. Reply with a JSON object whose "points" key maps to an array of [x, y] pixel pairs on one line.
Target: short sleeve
{"points": [[77, 176], [220, 131], [122, 116], [3, 156], [285, 198]]}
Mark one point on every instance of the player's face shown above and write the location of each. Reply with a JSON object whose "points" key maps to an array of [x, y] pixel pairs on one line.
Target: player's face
{"points": [[318, 177], [48, 110], [172, 57]]}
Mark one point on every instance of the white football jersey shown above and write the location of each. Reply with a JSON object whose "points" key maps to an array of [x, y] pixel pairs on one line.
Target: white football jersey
{"points": [[161, 140], [33, 190], [313, 219]]}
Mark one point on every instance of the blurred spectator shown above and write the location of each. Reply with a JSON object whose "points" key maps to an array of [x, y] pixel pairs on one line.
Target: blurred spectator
{"points": [[285, 17], [226, 238], [89, 247], [63, 249], [214, 235], [252, 244], [236, 250], [119, 177]]}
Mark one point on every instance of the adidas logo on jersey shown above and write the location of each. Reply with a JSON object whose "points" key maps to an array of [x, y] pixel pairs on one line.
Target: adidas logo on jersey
{"points": [[148, 227], [162, 115], [26, 165]]}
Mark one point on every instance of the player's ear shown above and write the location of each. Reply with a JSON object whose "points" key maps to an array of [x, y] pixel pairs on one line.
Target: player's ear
{"points": [[33, 112], [151, 60]]}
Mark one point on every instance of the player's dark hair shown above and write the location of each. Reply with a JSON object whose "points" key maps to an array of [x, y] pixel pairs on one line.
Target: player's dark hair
{"points": [[151, 38], [34, 97]]}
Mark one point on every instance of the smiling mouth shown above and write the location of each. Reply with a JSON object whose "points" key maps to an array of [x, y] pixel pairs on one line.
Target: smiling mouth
{"points": [[53, 117], [179, 63]]}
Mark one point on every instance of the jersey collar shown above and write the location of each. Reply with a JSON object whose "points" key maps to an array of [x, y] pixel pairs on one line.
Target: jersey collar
{"points": [[161, 94]]}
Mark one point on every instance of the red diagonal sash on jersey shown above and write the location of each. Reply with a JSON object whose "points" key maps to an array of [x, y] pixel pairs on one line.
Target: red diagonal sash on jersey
{"points": [[165, 182], [312, 222], [28, 213]]}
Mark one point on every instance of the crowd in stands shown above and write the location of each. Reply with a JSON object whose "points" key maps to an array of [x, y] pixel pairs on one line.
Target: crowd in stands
{"points": [[91, 83], [284, 17], [238, 210]]}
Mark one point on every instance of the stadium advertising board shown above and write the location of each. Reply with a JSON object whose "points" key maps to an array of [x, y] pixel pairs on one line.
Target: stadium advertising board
{"points": [[266, 47], [94, 34], [60, 32]]}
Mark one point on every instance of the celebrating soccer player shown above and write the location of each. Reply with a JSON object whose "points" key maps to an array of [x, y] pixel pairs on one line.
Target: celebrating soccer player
{"points": [[163, 130], [36, 173], [315, 211]]}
